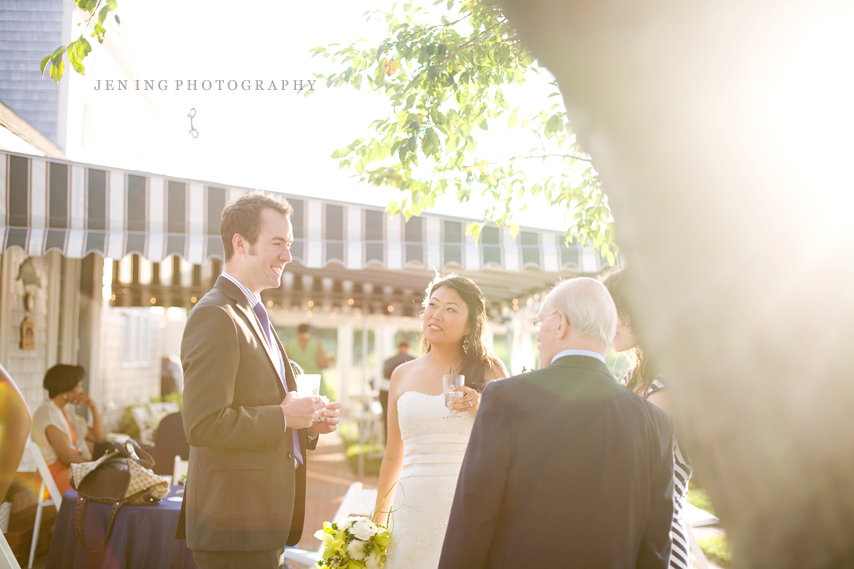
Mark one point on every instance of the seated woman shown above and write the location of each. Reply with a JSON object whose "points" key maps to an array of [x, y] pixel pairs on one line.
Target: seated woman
{"points": [[63, 436]]}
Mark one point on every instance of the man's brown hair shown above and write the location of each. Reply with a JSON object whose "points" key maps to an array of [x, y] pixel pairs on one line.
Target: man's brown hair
{"points": [[243, 216]]}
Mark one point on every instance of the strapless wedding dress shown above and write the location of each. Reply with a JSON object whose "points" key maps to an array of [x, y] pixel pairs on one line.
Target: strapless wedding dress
{"points": [[434, 443]]}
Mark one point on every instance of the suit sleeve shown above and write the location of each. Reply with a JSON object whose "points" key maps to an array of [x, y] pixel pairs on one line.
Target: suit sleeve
{"points": [[210, 354], [480, 487], [654, 552]]}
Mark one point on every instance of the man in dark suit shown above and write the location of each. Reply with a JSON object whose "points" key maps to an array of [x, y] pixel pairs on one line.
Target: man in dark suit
{"points": [[247, 428], [565, 468], [403, 355]]}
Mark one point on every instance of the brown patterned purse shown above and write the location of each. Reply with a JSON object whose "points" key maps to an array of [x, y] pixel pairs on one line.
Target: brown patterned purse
{"points": [[122, 476]]}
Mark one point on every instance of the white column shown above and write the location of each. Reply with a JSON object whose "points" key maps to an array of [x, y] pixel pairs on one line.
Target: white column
{"points": [[344, 362], [385, 348], [54, 259]]}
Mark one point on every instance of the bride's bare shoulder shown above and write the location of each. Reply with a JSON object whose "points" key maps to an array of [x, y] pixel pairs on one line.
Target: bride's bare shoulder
{"points": [[403, 376]]}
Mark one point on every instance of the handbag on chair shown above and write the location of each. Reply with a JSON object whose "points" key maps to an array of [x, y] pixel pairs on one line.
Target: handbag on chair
{"points": [[121, 476]]}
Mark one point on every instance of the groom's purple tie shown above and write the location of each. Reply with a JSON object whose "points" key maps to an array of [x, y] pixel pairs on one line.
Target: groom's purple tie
{"points": [[261, 313]]}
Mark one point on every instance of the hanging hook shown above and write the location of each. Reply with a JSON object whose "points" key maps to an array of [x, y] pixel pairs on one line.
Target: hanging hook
{"points": [[193, 130]]}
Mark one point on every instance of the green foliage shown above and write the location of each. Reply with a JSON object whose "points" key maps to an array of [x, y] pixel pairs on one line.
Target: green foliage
{"points": [[444, 77], [174, 397], [717, 550], [127, 425], [373, 458], [349, 431], [78, 49], [699, 498]]}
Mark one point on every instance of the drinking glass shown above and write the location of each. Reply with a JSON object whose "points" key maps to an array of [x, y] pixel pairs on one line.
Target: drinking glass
{"points": [[308, 384], [450, 382]]}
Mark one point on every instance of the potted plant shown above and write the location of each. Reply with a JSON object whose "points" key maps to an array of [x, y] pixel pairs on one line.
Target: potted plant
{"points": [[6, 510]]}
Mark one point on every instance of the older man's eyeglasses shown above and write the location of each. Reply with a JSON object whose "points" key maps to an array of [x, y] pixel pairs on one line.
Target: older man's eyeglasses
{"points": [[538, 322]]}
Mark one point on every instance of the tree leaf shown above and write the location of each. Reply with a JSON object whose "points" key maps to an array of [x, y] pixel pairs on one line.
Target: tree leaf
{"points": [[511, 123], [43, 63], [56, 70]]}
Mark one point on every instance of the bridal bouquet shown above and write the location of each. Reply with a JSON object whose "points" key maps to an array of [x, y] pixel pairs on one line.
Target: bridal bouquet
{"points": [[354, 543]]}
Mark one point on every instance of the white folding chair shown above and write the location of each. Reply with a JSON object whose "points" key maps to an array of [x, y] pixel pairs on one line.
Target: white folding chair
{"points": [[358, 501], [47, 483], [7, 559], [694, 518]]}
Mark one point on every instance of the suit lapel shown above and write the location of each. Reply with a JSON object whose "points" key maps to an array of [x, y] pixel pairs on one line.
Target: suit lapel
{"points": [[289, 373], [242, 304], [253, 319]]}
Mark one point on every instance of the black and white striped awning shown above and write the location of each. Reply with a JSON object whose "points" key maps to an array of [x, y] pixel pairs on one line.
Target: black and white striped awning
{"points": [[78, 209], [51, 204]]}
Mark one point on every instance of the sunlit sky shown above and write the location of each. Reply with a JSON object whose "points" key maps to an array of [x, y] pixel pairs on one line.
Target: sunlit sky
{"points": [[279, 140]]}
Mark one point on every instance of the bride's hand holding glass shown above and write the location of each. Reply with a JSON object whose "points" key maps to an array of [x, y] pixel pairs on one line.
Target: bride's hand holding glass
{"points": [[468, 402]]}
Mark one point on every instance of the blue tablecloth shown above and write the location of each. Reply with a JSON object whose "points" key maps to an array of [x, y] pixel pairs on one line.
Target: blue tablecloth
{"points": [[143, 537]]}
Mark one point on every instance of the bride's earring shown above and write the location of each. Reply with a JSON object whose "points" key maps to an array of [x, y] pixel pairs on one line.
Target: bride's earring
{"points": [[466, 346]]}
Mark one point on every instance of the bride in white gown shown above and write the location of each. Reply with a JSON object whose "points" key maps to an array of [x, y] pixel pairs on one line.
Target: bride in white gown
{"points": [[427, 441]]}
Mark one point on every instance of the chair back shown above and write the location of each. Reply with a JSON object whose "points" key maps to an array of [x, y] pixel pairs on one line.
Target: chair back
{"points": [[47, 478], [7, 555], [169, 442], [358, 501]]}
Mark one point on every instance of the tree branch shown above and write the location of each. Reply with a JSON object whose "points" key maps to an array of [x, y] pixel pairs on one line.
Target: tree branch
{"points": [[575, 156]]}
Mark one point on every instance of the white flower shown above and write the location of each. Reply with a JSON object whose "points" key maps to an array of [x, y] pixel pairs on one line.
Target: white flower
{"points": [[362, 529], [356, 549], [373, 561]]}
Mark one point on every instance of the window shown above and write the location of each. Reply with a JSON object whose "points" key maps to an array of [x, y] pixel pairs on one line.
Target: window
{"points": [[136, 339]]}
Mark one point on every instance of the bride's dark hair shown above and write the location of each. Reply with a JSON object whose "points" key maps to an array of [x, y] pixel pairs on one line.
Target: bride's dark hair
{"points": [[478, 358]]}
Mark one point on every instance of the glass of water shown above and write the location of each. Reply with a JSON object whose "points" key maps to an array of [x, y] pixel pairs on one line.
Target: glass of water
{"points": [[450, 382], [308, 384]]}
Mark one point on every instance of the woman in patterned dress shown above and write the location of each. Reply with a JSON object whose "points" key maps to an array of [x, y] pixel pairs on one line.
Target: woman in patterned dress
{"points": [[644, 379]]}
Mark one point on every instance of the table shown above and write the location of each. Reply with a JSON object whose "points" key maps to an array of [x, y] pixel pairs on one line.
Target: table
{"points": [[143, 537]]}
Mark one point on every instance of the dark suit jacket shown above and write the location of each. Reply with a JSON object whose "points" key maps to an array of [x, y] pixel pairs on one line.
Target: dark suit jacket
{"points": [[242, 493], [565, 468], [391, 364]]}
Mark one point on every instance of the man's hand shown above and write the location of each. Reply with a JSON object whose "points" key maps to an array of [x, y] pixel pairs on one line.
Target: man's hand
{"points": [[301, 412], [330, 424]]}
